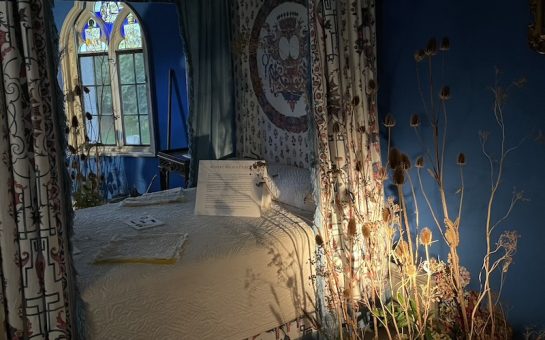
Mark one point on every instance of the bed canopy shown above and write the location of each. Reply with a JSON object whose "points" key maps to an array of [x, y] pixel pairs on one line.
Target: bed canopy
{"points": [[329, 97]]}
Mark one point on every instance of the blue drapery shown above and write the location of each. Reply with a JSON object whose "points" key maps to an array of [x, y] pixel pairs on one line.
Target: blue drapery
{"points": [[206, 32]]}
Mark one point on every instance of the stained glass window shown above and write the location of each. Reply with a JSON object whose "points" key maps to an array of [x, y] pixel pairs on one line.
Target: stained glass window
{"points": [[131, 33], [112, 72], [91, 37]]}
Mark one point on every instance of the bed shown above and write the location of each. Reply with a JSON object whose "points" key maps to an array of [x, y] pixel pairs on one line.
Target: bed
{"points": [[235, 277]]}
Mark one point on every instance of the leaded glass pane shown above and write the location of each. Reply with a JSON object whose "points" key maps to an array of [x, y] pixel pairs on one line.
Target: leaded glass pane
{"points": [[142, 99], [128, 98], [104, 94], [92, 129], [126, 69], [102, 70], [132, 130], [144, 129], [90, 101], [87, 70], [107, 131], [139, 68]]}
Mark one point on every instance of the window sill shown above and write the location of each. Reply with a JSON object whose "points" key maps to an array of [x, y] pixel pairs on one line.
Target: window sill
{"points": [[128, 151]]}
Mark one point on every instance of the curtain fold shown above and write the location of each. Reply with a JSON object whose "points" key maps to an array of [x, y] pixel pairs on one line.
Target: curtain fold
{"points": [[206, 33], [34, 211], [343, 64]]}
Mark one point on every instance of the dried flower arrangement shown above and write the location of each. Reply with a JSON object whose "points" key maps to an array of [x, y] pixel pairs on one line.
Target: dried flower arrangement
{"points": [[84, 158], [407, 293]]}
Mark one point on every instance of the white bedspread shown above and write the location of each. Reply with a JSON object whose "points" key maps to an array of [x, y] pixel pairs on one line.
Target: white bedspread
{"points": [[236, 277]]}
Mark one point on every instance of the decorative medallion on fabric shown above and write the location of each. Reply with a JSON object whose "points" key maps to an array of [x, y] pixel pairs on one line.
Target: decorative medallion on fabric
{"points": [[278, 58]]}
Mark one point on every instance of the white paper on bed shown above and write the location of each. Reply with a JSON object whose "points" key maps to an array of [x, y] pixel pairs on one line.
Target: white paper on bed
{"points": [[231, 188]]}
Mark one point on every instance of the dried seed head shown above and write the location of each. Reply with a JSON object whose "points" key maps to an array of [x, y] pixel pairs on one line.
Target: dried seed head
{"points": [[419, 55], [399, 176], [419, 162], [445, 93], [394, 158], [75, 122], [86, 89], [445, 44], [88, 116], [405, 162], [426, 237], [77, 90], [402, 251], [372, 86], [452, 237], [415, 120], [461, 161], [411, 270], [355, 100], [366, 230], [431, 48], [319, 240], [389, 121], [386, 215], [352, 227]]}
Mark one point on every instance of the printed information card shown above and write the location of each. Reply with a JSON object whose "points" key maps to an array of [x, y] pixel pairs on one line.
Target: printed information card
{"points": [[231, 188]]}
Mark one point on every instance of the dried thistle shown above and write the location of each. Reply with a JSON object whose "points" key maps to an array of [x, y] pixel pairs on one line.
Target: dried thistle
{"points": [[75, 122], [405, 162], [445, 44], [426, 236], [419, 55], [419, 162], [352, 227], [461, 160], [452, 237], [399, 176], [386, 215], [415, 120], [431, 48], [389, 121], [445, 93]]}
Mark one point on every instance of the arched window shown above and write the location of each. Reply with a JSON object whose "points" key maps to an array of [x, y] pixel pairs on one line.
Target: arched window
{"points": [[105, 76]]}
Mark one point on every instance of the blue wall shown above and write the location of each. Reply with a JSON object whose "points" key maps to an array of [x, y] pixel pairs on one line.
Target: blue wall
{"points": [[483, 34], [165, 51]]}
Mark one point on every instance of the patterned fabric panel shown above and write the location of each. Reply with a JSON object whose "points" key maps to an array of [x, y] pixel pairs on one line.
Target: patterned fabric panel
{"points": [[271, 61], [35, 268]]}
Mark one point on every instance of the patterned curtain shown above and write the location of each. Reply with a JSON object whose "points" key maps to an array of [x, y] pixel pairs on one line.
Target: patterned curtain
{"points": [[343, 64], [35, 264]]}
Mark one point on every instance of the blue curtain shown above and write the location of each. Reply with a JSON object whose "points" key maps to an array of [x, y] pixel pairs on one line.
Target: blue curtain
{"points": [[206, 28]]}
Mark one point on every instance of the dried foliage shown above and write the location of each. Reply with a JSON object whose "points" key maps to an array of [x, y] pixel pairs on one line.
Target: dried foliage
{"points": [[407, 293]]}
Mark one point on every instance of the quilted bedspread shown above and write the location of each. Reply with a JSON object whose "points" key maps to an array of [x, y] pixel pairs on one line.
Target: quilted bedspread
{"points": [[236, 277]]}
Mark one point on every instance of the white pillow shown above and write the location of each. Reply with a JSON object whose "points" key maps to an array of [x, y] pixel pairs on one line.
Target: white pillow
{"points": [[291, 185]]}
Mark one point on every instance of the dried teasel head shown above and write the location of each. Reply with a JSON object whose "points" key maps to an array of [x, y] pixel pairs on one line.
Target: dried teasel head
{"points": [[366, 229], [386, 215], [405, 162], [75, 122], [431, 48], [419, 162], [445, 93], [399, 176], [352, 227], [402, 251], [88, 115], [445, 44], [415, 120], [426, 237], [461, 160], [452, 237], [389, 121], [371, 86], [419, 55], [319, 240], [394, 158], [411, 270]]}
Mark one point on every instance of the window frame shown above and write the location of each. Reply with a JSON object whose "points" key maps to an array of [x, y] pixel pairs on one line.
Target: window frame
{"points": [[70, 55]]}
